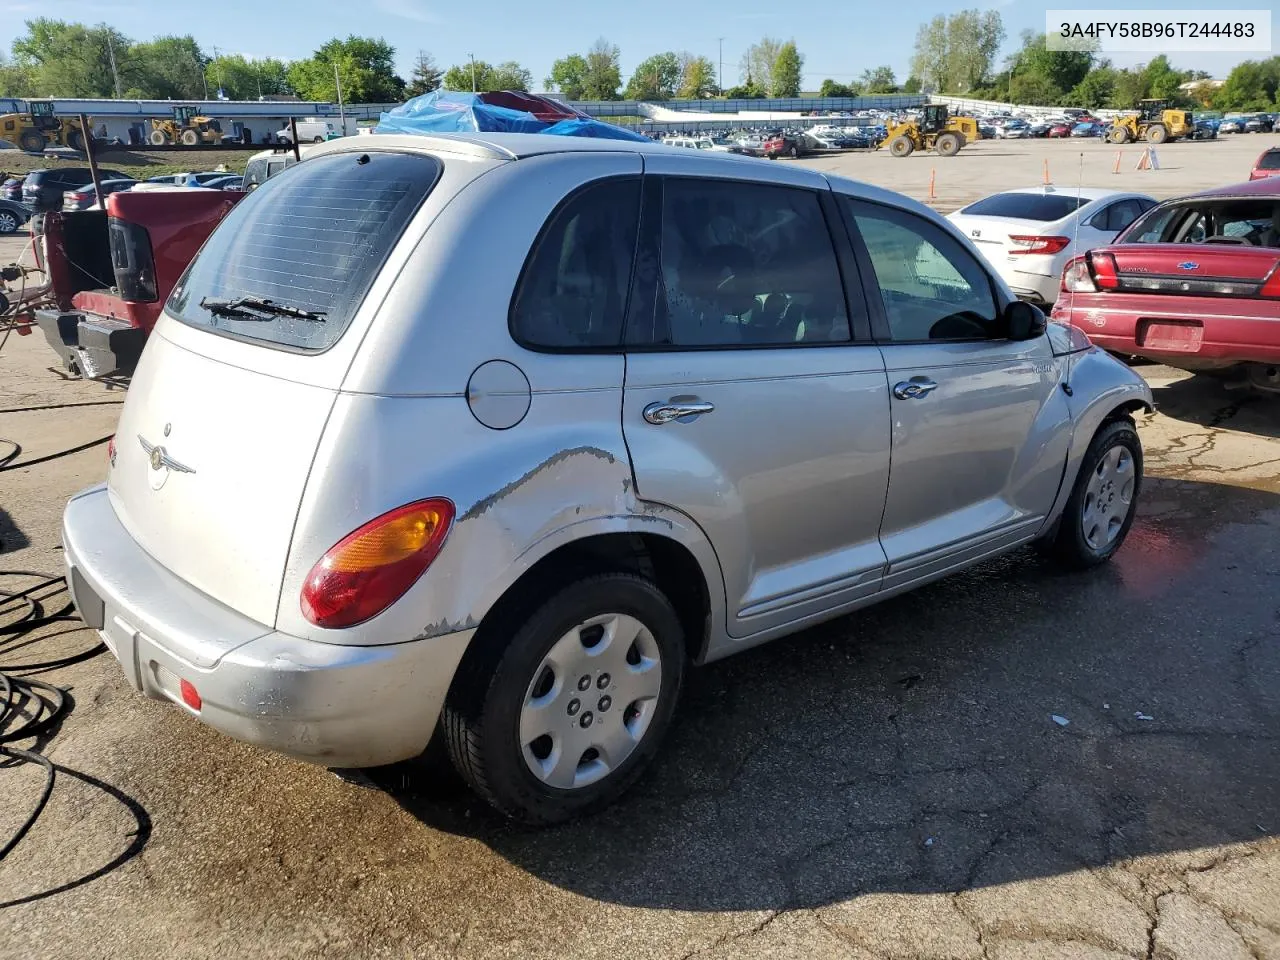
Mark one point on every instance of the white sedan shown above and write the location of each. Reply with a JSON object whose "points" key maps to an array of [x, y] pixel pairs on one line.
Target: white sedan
{"points": [[1028, 235]]}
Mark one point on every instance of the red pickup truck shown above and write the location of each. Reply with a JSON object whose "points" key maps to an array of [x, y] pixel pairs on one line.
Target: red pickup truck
{"points": [[1194, 283], [109, 272]]}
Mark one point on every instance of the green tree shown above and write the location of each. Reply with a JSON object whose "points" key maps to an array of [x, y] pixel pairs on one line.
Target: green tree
{"points": [[788, 66], [569, 77], [604, 70], [15, 79], [1033, 89], [911, 85], [1251, 85], [244, 79], [1064, 69], [973, 40], [425, 78], [366, 66], [72, 60], [509, 75], [1130, 87], [169, 68], [655, 78], [930, 61], [505, 76], [879, 80], [697, 78], [758, 63], [1162, 80], [1095, 90], [745, 91], [830, 88]]}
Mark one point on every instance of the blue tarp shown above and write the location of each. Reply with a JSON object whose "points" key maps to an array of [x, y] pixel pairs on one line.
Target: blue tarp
{"points": [[446, 112]]}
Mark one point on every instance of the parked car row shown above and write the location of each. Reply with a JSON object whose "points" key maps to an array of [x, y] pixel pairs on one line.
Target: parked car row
{"points": [[1257, 123]]}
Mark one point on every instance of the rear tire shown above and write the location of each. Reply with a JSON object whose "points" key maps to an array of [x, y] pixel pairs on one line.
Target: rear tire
{"points": [[793, 152], [947, 144], [32, 141], [8, 222], [1097, 517], [901, 146], [495, 694], [1157, 133], [317, 139]]}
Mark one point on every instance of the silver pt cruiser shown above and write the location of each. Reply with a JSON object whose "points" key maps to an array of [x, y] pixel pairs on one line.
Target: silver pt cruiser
{"points": [[498, 434]]}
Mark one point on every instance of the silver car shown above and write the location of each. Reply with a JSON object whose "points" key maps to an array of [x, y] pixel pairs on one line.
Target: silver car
{"points": [[500, 434]]}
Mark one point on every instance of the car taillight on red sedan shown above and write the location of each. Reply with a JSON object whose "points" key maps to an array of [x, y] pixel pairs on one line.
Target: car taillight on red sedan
{"points": [[1271, 286], [1105, 272], [371, 568], [1039, 245]]}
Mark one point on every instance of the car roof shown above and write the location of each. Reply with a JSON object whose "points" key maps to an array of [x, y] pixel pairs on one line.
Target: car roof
{"points": [[1250, 188], [1091, 193]]}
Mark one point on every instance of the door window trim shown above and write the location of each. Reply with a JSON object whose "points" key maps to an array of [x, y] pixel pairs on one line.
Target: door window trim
{"points": [[882, 333], [645, 301], [543, 232]]}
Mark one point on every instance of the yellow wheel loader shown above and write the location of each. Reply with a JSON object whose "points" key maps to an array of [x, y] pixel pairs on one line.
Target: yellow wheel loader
{"points": [[187, 127], [936, 130], [1153, 121], [36, 127]]}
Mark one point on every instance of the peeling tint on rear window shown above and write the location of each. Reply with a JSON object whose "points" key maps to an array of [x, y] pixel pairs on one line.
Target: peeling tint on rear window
{"points": [[312, 238]]}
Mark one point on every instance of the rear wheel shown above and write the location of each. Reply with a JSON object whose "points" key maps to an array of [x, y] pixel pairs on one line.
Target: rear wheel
{"points": [[901, 146], [157, 138], [1118, 135], [793, 151], [190, 138], [559, 709], [8, 222], [31, 141], [947, 144], [317, 139], [1100, 511], [1157, 133]]}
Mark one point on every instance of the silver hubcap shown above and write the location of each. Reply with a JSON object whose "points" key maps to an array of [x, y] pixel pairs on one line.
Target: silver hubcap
{"points": [[8, 222], [1108, 498], [590, 701]]}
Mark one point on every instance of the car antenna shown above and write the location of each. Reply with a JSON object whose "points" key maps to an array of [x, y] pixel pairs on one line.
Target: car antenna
{"points": [[1075, 241]]}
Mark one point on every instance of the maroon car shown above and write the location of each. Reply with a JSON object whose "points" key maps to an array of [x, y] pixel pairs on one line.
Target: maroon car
{"points": [[1194, 283], [1060, 130]]}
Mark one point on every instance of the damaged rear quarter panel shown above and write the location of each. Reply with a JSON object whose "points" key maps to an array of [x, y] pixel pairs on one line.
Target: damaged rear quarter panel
{"points": [[511, 489]]}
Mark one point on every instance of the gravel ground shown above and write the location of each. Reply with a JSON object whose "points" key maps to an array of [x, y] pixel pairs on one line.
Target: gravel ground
{"points": [[890, 785]]}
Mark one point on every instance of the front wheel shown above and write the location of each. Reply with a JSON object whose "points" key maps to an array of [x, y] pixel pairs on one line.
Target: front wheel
{"points": [[32, 141], [559, 710], [901, 146], [158, 138], [8, 222], [1118, 135], [1104, 499]]}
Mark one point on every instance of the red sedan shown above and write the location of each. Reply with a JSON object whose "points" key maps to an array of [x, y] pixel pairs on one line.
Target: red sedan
{"points": [[1194, 283], [1060, 130], [1267, 165]]}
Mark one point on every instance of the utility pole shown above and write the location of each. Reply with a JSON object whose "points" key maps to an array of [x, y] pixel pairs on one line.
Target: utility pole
{"points": [[342, 116], [473, 71], [720, 74], [115, 73]]}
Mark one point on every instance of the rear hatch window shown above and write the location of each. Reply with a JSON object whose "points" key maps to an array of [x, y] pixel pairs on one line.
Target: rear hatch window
{"points": [[290, 264], [1270, 160]]}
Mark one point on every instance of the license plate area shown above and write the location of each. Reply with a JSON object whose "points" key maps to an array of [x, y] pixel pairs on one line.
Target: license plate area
{"points": [[1177, 336]]}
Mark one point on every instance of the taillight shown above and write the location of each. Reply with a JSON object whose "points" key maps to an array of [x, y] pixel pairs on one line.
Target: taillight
{"points": [[1271, 288], [132, 260], [1105, 273], [370, 569], [111, 451], [1076, 277], [1041, 245]]}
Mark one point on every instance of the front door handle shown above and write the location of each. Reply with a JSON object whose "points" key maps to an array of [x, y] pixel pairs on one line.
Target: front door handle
{"points": [[659, 412], [914, 389]]}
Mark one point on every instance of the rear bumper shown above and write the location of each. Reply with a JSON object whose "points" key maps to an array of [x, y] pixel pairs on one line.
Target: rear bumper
{"points": [[95, 346], [340, 706], [1181, 332]]}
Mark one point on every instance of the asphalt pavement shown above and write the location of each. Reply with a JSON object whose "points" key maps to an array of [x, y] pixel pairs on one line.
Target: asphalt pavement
{"points": [[891, 785]]}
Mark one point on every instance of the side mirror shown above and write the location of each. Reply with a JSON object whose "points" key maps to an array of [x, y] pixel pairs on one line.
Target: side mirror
{"points": [[1023, 321]]}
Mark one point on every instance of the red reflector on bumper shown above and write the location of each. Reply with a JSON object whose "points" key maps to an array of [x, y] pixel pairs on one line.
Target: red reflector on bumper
{"points": [[189, 695]]}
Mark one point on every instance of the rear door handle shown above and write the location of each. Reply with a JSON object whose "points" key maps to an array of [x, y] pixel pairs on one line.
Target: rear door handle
{"points": [[659, 413], [914, 389]]}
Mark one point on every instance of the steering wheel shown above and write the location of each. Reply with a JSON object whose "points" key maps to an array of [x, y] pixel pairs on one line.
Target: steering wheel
{"points": [[963, 325]]}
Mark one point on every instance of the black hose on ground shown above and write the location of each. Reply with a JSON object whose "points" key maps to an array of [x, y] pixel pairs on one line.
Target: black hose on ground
{"points": [[30, 708]]}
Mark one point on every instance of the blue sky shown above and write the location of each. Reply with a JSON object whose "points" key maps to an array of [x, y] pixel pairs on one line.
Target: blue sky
{"points": [[838, 38]]}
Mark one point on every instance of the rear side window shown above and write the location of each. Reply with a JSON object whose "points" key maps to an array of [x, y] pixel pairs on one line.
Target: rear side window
{"points": [[573, 293], [1270, 160], [1026, 206], [310, 243]]}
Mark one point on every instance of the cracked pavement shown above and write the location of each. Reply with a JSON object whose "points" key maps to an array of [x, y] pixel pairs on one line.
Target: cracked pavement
{"points": [[889, 786]]}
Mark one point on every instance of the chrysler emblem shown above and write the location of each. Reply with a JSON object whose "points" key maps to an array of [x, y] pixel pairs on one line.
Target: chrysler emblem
{"points": [[1188, 265], [161, 463]]}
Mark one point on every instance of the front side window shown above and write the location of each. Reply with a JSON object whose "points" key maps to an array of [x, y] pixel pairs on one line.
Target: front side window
{"points": [[573, 292], [746, 264], [291, 263], [932, 288]]}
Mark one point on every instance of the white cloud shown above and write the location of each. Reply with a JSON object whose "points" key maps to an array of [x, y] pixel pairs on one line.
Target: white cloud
{"points": [[406, 9]]}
